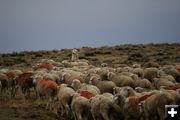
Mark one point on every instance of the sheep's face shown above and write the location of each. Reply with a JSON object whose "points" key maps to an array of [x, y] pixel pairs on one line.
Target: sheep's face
{"points": [[134, 77], [110, 75], [126, 91], [119, 99], [116, 90], [75, 83]]}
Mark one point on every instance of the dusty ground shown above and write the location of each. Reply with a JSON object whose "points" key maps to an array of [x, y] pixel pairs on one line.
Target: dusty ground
{"points": [[20, 109]]}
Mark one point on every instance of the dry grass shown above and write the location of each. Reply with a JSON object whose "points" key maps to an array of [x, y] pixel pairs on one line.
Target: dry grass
{"points": [[120, 54]]}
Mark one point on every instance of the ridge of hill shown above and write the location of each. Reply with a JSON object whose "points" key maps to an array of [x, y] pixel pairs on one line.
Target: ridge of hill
{"points": [[120, 54]]}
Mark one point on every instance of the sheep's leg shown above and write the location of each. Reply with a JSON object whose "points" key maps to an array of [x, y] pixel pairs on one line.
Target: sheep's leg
{"points": [[105, 116], [79, 116], [67, 110], [74, 115]]}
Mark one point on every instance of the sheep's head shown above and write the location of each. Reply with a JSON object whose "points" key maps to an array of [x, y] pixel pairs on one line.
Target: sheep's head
{"points": [[65, 75], [160, 73], [140, 89], [136, 66], [110, 75], [119, 99], [127, 91], [134, 76], [116, 90], [93, 80], [76, 84]]}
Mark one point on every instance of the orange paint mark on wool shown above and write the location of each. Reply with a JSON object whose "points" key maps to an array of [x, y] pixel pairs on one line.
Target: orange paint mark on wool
{"points": [[144, 97], [25, 75], [10, 74], [49, 84]]}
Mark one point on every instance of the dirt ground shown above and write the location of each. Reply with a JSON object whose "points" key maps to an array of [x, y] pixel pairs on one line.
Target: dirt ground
{"points": [[20, 109]]}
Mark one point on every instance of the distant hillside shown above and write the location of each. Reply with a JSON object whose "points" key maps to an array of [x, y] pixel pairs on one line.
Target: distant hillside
{"points": [[120, 54]]}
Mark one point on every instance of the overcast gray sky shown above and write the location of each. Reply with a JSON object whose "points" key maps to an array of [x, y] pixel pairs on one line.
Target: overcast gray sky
{"points": [[56, 24]]}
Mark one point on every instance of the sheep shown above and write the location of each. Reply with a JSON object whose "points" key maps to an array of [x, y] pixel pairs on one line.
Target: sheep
{"points": [[136, 65], [158, 82], [126, 91], [80, 107], [65, 97], [12, 84], [153, 107], [173, 94], [139, 72], [25, 82], [172, 71], [151, 64], [68, 78], [102, 107], [103, 74], [141, 90], [4, 70], [144, 83], [151, 73], [121, 80], [133, 106], [78, 86], [89, 76], [51, 76], [4, 82], [48, 89], [163, 75], [127, 69], [104, 86]]}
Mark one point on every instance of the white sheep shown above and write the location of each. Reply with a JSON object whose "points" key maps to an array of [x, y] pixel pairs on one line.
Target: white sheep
{"points": [[64, 97]]}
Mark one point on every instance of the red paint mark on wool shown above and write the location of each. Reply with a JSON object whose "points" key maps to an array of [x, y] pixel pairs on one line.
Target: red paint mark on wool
{"points": [[25, 75], [48, 84], [11, 74], [86, 94]]}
